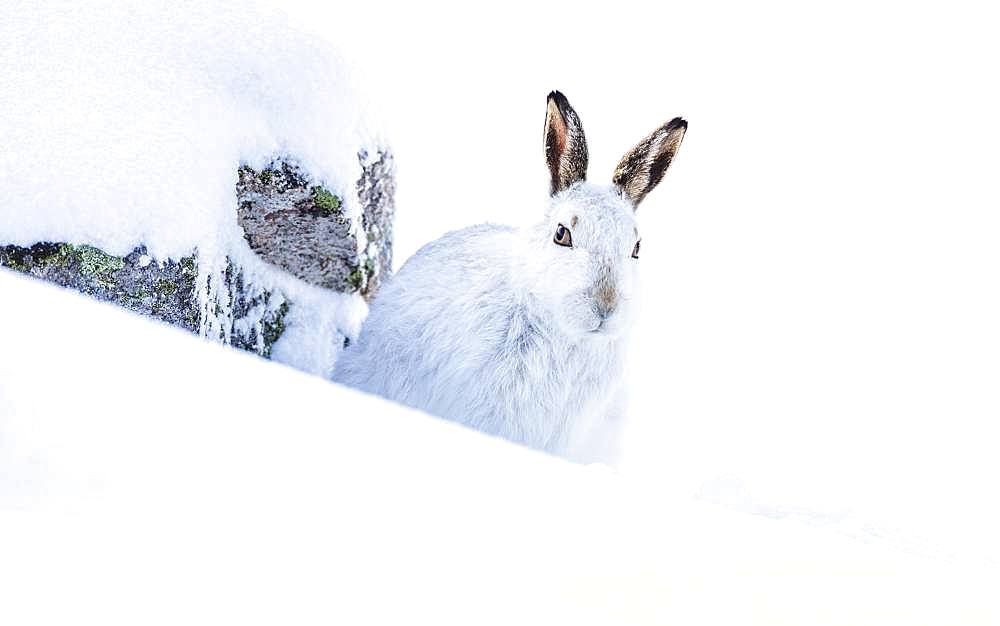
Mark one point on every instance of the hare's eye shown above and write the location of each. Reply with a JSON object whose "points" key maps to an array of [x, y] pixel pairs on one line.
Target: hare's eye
{"points": [[635, 250], [563, 236]]}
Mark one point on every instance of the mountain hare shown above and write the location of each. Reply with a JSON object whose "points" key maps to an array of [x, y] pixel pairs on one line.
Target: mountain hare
{"points": [[522, 332]]}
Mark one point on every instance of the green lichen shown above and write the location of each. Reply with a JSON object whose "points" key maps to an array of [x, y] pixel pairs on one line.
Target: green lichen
{"points": [[166, 287], [326, 203], [63, 255], [136, 301], [93, 263], [355, 279], [39, 255], [12, 257], [96, 264], [274, 328], [361, 277]]}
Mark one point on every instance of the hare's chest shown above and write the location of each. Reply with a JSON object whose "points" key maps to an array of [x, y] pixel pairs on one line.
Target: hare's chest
{"points": [[558, 388], [590, 380]]}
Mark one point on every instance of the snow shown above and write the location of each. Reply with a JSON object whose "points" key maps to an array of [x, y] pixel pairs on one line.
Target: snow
{"points": [[260, 494], [814, 373], [99, 104], [124, 125]]}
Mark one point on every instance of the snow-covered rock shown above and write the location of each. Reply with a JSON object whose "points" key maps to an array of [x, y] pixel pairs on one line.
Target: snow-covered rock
{"points": [[202, 163], [295, 226]]}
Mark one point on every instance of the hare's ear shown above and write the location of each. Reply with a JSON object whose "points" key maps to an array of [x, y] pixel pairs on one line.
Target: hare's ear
{"points": [[565, 145], [644, 166]]}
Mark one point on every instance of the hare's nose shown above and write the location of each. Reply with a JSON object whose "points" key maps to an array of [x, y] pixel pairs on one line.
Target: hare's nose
{"points": [[605, 299]]}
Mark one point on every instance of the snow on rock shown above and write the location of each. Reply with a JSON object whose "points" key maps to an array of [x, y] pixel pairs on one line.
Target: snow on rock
{"points": [[146, 137], [131, 489]]}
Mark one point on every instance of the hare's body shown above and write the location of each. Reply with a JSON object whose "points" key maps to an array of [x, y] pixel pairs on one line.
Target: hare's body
{"points": [[482, 354], [521, 332]]}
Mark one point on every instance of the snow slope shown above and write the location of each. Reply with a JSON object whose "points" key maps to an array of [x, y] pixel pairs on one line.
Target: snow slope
{"points": [[211, 486]]}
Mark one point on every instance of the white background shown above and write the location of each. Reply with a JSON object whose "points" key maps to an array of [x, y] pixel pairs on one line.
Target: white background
{"points": [[820, 265]]}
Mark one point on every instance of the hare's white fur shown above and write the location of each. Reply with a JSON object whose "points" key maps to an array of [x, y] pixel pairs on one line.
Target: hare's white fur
{"points": [[501, 329], [522, 332]]}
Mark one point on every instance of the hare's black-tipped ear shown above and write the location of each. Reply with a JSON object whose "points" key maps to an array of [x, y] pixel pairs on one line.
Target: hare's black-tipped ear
{"points": [[565, 145], [644, 166]]}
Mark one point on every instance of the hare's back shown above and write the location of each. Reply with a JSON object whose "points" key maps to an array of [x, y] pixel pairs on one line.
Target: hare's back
{"points": [[458, 283], [472, 261], [444, 311]]}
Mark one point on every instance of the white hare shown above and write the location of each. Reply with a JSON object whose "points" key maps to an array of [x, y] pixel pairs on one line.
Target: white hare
{"points": [[522, 332]]}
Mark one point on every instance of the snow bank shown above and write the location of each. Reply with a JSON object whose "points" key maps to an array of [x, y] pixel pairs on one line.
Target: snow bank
{"points": [[125, 124], [302, 502]]}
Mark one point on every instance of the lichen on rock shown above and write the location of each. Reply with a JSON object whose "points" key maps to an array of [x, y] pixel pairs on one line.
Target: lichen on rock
{"points": [[325, 202], [161, 290], [273, 328]]}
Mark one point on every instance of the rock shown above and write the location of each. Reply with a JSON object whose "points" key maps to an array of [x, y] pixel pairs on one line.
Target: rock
{"points": [[376, 194], [164, 291], [302, 228], [288, 222]]}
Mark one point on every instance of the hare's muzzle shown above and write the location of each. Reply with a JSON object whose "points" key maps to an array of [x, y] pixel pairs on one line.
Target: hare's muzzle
{"points": [[605, 298]]}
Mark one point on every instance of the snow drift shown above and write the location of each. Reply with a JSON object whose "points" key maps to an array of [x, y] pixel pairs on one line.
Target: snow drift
{"points": [[322, 505]]}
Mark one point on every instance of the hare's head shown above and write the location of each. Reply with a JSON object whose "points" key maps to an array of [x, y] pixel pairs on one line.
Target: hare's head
{"points": [[589, 240]]}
